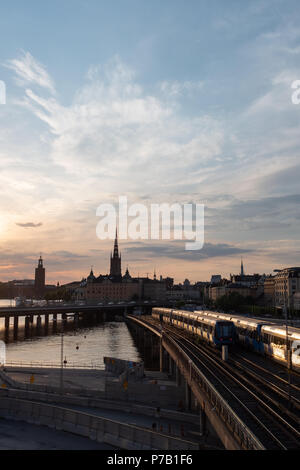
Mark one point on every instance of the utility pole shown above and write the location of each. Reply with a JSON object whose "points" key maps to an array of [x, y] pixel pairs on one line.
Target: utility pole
{"points": [[288, 352]]}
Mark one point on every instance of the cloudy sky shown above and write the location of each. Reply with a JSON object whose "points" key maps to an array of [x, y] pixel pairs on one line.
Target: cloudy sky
{"points": [[169, 101]]}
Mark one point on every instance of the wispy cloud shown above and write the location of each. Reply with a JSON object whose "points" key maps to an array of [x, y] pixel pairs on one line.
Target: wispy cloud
{"points": [[29, 225], [175, 250], [114, 128], [176, 88], [29, 71]]}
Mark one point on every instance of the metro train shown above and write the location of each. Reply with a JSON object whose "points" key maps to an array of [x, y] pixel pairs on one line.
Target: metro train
{"points": [[215, 331], [264, 337]]}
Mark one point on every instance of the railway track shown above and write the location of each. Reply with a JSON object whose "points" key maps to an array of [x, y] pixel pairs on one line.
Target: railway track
{"points": [[261, 401], [289, 394]]}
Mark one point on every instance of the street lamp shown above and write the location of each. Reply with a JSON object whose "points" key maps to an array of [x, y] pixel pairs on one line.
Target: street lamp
{"points": [[62, 357]]}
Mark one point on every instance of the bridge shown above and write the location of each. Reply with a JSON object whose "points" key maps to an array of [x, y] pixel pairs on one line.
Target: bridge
{"points": [[246, 409], [77, 310]]}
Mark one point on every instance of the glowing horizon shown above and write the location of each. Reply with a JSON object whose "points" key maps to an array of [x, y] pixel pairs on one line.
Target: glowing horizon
{"points": [[163, 104]]}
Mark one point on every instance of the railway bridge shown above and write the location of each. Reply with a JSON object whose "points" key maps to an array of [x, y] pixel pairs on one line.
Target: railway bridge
{"points": [[239, 414]]}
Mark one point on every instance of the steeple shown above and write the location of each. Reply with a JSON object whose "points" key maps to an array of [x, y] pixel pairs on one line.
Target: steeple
{"points": [[115, 259], [242, 267], [116, 247]]}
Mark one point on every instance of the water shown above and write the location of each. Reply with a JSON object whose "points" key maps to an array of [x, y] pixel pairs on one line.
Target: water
{"points": [[109, 339], [83, 347]]}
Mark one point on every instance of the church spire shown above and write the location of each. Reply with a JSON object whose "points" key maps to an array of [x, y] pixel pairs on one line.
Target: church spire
{"points": [[242, 267], [115, 260], [116, 246]]}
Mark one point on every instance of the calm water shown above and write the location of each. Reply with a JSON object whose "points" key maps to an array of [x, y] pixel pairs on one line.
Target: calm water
{"points": [[110, 339]]}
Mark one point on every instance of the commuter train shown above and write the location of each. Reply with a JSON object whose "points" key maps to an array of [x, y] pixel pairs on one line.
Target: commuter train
{"points": [[264, 337], [215, 331]]}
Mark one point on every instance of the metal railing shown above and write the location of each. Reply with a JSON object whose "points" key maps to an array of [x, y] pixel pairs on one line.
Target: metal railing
{"points": [[55, 365]]}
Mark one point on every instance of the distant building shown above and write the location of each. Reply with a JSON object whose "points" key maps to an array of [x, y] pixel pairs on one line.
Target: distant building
{"points": [[269, 290], [187, 291], [40, 276], [296, 301], [109, 289], [168, 281], [247, 280], [287, 284], [115, 287], [216, 279], [216, 292], [153, 289]]}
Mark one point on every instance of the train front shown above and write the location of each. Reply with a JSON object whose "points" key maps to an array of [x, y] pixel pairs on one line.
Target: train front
{"points": [[224, 333]]}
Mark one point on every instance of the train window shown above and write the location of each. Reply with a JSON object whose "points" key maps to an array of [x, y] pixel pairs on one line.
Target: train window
{"points": [[267, 338], [225, 330], [278, 340]]}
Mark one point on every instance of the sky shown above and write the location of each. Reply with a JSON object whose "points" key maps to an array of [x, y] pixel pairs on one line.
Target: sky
{"points": [[162, 102]]}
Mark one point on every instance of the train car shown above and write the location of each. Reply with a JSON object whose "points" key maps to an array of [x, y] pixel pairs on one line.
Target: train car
{"points": [[264, 337], [274, 339], [216, 332]]}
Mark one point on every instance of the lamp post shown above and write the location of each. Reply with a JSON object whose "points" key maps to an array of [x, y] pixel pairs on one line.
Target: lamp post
{"points": [[62, 357]]}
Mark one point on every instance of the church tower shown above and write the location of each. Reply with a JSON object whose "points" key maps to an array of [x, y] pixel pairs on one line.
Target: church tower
{"points": [[40, 276], [115, 260]]}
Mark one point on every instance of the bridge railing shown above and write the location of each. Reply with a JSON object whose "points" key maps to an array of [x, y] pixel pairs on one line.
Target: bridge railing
{"points": [[248, 440], [54, 365]]}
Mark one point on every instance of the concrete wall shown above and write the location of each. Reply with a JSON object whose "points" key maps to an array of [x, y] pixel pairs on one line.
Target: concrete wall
{"points": [[151, 393], [154, 394], [94, 427], [127, 407], [117, 366]]}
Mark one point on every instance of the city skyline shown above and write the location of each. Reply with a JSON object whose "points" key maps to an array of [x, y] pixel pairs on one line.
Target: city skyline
{"points": [[115, 269], [162, 103]]}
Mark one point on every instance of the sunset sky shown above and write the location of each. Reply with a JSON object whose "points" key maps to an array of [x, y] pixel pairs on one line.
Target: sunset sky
{"points": [[160, 101]]}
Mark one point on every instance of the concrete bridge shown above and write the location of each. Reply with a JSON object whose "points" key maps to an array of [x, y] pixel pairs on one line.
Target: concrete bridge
{"points": [[76, 310]]}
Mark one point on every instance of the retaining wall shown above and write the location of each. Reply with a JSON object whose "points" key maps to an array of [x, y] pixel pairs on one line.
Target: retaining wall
{"points": [[100, 429]]}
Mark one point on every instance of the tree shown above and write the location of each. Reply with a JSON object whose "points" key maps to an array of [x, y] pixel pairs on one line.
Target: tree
{"points": [[231, 301]]}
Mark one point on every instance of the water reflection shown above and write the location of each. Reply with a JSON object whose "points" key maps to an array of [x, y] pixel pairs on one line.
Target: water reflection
{"points": [[86, 346], [86, 341]]}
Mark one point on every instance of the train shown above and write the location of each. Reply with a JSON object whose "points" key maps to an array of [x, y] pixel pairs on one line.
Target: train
{"points": [[266, 338], [214, 331]]}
